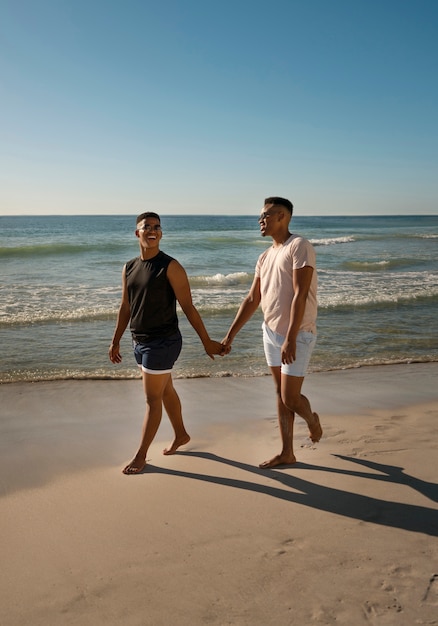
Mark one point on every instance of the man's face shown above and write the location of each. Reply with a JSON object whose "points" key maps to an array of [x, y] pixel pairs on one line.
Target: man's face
{"points": [[149, 232], [266, 218]]}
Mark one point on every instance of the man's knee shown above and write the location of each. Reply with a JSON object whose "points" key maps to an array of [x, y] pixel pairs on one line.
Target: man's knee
{"points": [[291, 401], [154, 401], [291, 392]]}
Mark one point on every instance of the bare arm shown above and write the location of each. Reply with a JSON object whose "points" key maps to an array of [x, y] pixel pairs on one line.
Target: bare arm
{"points": [[123, 317], [301, 280], [245, 312], [180, 284]]}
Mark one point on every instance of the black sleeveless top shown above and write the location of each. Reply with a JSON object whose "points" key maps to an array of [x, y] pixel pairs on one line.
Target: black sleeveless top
{"points": [[151, 298]]}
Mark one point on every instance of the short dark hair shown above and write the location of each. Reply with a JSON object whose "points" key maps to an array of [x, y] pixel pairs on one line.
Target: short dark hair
{"points": [[282, 201], [143, 216]]}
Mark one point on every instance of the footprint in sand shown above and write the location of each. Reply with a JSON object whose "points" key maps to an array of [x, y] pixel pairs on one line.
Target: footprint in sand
{"points": [[431, 595]]}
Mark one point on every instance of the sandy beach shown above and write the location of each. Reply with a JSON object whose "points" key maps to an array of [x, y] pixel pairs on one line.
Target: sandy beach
{"points": [[348, 535]]}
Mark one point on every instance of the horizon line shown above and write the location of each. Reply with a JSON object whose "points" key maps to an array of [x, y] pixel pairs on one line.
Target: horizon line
{"points": [[361, 215]]}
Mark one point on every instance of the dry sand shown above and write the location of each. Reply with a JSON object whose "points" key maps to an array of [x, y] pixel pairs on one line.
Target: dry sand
{"points": [[348, 535]]}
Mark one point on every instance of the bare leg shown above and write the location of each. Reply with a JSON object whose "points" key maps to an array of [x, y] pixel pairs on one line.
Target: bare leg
{"points": [[286, 423], [172, 404], [295, 401], [154, 385]]}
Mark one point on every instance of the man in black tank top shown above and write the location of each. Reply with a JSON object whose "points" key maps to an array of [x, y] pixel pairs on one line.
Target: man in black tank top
{"points": [[151, 285]]}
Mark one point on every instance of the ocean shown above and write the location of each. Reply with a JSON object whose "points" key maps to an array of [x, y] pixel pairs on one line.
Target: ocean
{"points": [[61, 287]]}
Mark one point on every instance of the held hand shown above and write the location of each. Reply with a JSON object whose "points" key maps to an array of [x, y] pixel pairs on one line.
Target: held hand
{"points": [[226, 346], [114, 353], [288, 351], [214, 347]]}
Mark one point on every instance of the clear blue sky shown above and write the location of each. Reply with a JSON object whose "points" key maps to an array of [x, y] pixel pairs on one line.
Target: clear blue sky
{"points": [[199, 106]]}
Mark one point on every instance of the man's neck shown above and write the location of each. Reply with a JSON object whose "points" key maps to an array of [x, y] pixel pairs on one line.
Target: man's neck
{"points": [[148, 253], [280, 238]]}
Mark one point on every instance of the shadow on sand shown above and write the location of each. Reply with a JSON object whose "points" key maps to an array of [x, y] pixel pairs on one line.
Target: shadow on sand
{"points": [[293, 489]]}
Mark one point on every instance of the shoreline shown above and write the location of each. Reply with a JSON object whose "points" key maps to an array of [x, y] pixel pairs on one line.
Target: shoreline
{"points": [[206, 537], [217, 375]]}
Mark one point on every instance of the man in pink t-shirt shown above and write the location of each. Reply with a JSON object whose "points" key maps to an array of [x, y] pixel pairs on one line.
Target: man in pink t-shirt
{"points": [[285, 285]]}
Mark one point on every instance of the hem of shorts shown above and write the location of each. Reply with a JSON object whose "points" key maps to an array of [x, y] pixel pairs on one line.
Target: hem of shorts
{"points": [[149, 371], [295, 375]]}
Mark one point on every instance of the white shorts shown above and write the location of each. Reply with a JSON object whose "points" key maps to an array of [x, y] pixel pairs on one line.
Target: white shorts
{"points": [[272, 343]]}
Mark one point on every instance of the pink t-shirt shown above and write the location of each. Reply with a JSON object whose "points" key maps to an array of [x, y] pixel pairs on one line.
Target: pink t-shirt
{"points": [[274, 268]]}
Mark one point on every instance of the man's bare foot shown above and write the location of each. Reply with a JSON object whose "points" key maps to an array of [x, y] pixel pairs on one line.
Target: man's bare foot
{"points": [[280, 459], [315, 429], [176, 443], [135, 466]]}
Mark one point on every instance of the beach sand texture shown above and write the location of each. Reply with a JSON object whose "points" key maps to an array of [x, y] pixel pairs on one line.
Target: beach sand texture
{"points": [[348, 535]]}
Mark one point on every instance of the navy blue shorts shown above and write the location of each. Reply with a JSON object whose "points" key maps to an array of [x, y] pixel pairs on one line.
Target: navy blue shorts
{"points": [[158, 356]]}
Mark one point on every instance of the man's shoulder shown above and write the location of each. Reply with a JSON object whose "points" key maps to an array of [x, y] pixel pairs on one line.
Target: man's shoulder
{"points": [[165, 257], [297, 239], [298, 242], [263, 255], [132, 262]]}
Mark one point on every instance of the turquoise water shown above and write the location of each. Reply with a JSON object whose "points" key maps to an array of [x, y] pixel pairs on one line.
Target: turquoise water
{"points": [[61, 276]]}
